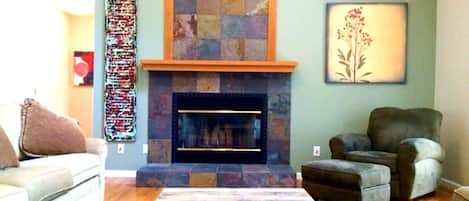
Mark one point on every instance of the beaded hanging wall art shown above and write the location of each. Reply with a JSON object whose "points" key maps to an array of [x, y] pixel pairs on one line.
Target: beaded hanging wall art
{"points": [[121, 69]]}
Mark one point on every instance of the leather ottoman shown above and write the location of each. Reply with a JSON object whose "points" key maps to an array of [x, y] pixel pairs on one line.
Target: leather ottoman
{"points": [[338, 180]]}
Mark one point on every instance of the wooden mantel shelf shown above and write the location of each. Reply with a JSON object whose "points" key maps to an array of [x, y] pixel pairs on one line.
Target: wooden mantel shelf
{"points": [[219, 66]]}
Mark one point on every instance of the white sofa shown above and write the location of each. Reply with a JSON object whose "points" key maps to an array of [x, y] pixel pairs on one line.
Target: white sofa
{"points": [[63, 177]]}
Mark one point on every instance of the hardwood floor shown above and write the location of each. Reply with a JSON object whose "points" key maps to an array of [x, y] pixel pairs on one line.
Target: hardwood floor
{"points": [[123, 189]]}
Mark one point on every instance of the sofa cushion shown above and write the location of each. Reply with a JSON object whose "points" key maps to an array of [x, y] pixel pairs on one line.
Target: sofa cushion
{"points": [[461, 194], [81, 166], [7, 156], [39, 182], [46, 133], [346, 174], [376, 157], [10, 119], [12, 193]]}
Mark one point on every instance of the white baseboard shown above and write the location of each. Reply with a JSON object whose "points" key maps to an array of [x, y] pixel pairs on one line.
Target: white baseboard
{"points": [[298, 176], [451, 185], [120, 173]]}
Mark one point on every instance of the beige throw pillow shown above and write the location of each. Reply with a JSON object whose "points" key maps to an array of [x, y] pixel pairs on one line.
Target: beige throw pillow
{"points": [[45, 133], [7, 154]]}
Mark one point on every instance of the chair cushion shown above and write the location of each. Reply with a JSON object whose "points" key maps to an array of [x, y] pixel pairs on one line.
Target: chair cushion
{"points": [[12, 193], [377, 157], [346, 174], [461, 194], [389, 126], [39, 182], [8, 156], [81, 166], [45, 133]]}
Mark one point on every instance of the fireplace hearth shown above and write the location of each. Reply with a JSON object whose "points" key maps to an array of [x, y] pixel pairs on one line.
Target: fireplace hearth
{"points": [[219, 128]]}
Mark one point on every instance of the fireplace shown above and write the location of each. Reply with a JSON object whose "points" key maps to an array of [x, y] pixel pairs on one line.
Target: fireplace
{"points": [[219, 128]]}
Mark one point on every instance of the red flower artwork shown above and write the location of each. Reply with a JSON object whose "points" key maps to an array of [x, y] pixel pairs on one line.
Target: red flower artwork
{"points": [[358, 41], [83, 67]]}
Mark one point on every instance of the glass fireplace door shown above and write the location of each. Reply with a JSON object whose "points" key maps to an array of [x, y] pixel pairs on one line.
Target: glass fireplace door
{"points": [[219, 130]]}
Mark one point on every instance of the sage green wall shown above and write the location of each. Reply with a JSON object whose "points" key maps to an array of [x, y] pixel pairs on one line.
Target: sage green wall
{"points": [[319, 110]]}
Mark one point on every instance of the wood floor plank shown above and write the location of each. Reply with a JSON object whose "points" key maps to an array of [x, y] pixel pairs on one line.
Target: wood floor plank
{"points": [[124, 189]]}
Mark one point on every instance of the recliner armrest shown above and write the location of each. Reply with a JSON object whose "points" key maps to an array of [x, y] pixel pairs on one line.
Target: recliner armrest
{"points": [[412, 150], [340, 144]]}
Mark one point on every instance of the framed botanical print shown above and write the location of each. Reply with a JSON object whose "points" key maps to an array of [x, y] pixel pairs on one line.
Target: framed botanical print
{"points": [[239, 30], [366, 43]]}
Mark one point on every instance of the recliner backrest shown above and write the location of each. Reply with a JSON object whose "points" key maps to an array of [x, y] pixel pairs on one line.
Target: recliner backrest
{"points": [[389, 126]]}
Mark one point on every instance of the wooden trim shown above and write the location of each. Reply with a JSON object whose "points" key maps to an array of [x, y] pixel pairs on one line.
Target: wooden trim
{"points": [[219, 66], [272, 31], [168, 29]]}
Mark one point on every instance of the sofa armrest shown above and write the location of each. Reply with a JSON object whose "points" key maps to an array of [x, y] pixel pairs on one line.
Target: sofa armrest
{"points": [[340, 144], [413, 150], [98, 147]]}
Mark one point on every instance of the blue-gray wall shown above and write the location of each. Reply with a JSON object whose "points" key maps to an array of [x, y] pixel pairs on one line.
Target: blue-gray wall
{"points": [[319, 110]]}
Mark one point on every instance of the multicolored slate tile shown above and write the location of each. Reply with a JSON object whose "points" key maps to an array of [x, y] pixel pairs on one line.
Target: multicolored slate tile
{"points": [[230, 179], [202, 180], [257, 7], [255, 179], [255, 27], [211, 7], [208, 49], [159, 151], [232, 49], [185, 49], [208, 82], [233, 26], [176, 179], [255, 49], [278, 151], [279, 126], [229, 168], [208, 27], [185, 6], [184, 82], [160, 103], [185, 26], [233, 7], [279, 103], [160, 127]]}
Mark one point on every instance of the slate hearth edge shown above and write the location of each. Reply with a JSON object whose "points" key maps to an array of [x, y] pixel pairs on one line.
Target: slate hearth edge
{"points": [[162, 85], [216, 175]]}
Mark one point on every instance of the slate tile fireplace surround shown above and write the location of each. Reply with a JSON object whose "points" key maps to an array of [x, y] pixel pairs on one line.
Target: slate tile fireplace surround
{"points": [[273, 120]]}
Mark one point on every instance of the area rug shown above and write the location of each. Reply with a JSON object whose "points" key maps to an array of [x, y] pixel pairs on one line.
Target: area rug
{"points": [[234, 194]]}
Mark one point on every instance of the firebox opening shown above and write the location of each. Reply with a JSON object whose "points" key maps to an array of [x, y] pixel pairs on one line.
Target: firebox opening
{"points": [[219, 128]]}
